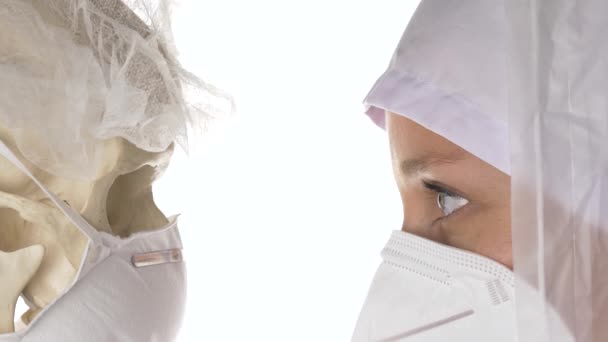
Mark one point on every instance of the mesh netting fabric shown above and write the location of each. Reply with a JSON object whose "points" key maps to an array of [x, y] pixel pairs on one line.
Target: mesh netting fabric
{"points": [[75, 73]]}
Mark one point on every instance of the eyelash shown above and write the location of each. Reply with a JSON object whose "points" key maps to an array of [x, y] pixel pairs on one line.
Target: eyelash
{"points": [[438, 189]]}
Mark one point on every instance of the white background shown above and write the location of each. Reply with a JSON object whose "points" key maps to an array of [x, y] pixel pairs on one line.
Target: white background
{"points": [[287, 204]]}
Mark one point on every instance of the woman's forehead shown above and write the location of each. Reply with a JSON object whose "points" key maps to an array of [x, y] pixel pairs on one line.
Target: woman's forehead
{"points": [[419, 142], [419, 152]]}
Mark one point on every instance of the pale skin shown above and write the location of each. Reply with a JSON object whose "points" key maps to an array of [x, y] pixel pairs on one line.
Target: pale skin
{"points": [[476, 196]]}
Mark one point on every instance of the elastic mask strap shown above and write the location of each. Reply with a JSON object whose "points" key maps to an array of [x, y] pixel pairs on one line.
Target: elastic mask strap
{"points": [[71, 214]]}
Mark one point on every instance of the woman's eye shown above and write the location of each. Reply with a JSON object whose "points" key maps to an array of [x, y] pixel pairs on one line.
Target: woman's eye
{"points": [[449, 203]]}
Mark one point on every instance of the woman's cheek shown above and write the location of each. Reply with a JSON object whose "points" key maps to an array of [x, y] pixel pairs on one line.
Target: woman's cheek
{"points": [[420, 212]]}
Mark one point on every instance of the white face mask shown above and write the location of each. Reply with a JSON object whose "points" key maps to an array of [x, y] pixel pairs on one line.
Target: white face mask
{"points": [[425, 291]]}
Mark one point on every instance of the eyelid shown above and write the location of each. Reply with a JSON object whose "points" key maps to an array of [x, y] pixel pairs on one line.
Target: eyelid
{"points": [[440, 187]]}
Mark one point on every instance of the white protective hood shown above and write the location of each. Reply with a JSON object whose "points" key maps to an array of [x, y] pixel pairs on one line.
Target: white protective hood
{"points": [[448, 74], [523, 85]]}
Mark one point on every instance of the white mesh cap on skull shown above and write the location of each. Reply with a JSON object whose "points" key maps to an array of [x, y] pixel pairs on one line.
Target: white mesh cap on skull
{"points": [[78, 72], [523, 85]]}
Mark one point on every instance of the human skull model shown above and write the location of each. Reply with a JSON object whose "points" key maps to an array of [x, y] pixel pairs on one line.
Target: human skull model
{"points": [[120, 202], [90, 103]]}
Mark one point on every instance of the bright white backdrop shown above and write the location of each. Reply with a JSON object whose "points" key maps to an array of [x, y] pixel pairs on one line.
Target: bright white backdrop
{"points": [[287, 204]]}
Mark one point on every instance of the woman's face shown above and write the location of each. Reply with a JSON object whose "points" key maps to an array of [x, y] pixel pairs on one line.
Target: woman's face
{"points": [[449, 195]]}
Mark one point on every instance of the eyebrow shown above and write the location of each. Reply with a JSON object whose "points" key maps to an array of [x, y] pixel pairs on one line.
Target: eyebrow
{"points": [[414, 166]]}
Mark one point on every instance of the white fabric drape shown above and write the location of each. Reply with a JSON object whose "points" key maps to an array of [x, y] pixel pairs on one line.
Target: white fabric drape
{"points": [[558, 118]]}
